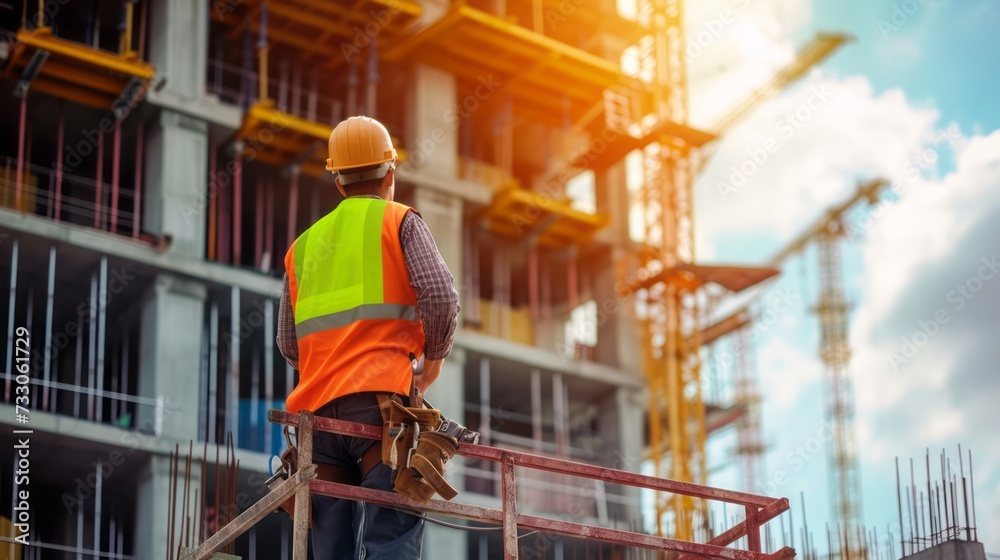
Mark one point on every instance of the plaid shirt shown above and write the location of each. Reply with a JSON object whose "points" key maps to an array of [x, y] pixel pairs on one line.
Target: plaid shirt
{"points": [[433, 284]]}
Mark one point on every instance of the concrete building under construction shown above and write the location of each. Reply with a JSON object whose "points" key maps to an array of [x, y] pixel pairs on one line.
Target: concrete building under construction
{"points": [[161, 155]]}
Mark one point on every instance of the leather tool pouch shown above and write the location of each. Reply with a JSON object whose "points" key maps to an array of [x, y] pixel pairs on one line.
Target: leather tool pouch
{"points": [[398, 423], [410, 430]]}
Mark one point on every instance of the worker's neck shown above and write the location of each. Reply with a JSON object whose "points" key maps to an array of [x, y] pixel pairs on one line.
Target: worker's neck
{"points": [[384, 194]]}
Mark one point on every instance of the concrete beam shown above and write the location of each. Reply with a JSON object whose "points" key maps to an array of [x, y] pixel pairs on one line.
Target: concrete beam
{"points": [[140, 440], [47, 231], [547, 360], [207, 108]]}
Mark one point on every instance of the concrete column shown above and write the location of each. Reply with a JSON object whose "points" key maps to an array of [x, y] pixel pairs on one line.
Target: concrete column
{"points": [[614, 199], [430, 132], [617, 333], [448, 392], [170, 355], [153, 500], [178, 31], [448, 395], [169, 366], [432, 129], [432, 140], [443, 214], [620, 427], [175, 197]]}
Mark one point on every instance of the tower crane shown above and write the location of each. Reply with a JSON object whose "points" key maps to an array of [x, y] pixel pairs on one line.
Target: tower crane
{"points": [[832, 308], [668, 279]]}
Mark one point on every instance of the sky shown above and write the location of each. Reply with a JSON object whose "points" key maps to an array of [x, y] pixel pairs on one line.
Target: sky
{"points": [[910, 100]]}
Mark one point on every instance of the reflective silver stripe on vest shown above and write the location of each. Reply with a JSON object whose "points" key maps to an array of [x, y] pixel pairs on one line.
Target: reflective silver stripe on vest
{"points": [[360, 313]]}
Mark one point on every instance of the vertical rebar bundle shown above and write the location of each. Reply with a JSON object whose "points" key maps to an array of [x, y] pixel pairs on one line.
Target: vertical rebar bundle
{"points": [[948, 513], [196, 519]]}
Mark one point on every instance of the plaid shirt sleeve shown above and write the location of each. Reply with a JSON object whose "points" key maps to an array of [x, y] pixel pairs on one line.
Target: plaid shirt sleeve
{"points": [[437, 299], [288, 344]]}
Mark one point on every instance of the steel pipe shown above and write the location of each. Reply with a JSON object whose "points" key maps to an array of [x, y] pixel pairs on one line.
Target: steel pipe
{"points": [[49, 304], [11, 309], [102, 311]]}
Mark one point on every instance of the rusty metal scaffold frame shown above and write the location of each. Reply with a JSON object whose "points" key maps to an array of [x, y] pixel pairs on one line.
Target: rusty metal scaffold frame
{"points": [[759, 509]]}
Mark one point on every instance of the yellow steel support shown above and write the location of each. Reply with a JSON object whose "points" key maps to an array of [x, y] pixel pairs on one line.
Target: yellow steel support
{"points": [[517, 212], [73, 71], [327, 19], [64, 90], [672, 366], [127, 38], [76, 75], [281, 139], [471, 44], [42, 38], [262, 79]]}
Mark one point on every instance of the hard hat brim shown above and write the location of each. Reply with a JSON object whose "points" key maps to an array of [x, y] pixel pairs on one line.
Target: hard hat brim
{"points": [[392, 158]]}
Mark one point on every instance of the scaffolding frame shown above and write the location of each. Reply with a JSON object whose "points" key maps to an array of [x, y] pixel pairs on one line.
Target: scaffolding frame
{"points": [[759, 509]]}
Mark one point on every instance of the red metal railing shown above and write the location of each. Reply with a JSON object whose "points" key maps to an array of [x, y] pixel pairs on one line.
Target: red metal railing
{"points": [[759, 509]]}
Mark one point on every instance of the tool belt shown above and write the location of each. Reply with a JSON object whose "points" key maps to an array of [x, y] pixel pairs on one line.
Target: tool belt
{"points": [[412, 446], [415, 450]]}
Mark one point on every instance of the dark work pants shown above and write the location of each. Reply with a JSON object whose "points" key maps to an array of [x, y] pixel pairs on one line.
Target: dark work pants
{"points": [[343, 529]]}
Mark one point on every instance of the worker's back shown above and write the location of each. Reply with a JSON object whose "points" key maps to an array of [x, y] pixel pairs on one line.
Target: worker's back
{"points": [[355, 311]]}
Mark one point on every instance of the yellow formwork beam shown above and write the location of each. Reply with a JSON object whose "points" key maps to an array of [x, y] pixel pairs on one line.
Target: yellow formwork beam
{"points": [[288, 139], [506, 47], [42, 39], [518, 212], [64, 90]]}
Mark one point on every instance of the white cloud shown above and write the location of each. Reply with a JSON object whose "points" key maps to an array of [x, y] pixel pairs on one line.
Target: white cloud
{"points": [[911, 252], [785, 370], [920, 229], [735, 46], [949, 192], [818, 154]]}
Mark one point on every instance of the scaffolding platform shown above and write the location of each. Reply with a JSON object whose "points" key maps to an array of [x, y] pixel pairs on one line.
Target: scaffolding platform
{"points": [[76, 72], [689, 277], [281, 139], [317, 26], [538, 71], [621, 144], [302, 484], [591, 16], [519, 213]]}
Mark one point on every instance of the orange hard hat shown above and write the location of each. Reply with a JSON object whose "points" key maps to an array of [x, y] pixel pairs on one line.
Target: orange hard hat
{"points": [[360, 142]]}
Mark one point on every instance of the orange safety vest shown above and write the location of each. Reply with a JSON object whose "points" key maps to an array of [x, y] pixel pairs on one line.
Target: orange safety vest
{"points": [[355, 311]]}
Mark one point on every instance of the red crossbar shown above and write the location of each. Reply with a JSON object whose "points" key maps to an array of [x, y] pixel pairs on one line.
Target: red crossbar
{"points": [[550, 464], [760, 509], [552, 526]]}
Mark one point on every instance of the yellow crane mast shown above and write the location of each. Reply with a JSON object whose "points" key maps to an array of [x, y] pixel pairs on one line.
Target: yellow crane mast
{"points": [[668, 303], [668, 308]]}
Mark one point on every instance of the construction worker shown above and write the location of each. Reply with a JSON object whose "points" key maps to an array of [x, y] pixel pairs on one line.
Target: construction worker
{"points": [[365, 291]]}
